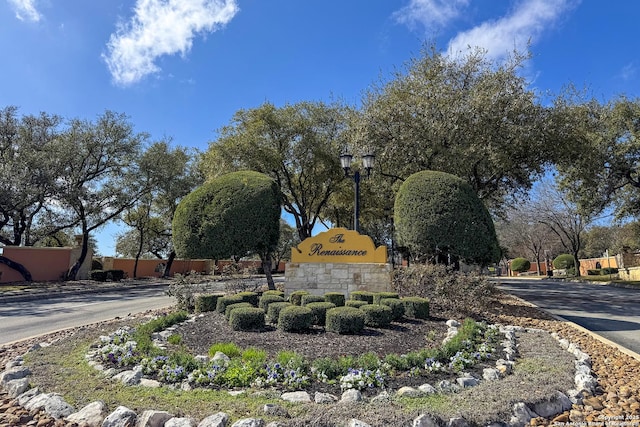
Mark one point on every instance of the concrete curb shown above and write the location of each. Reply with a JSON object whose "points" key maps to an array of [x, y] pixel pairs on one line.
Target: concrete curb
{"points": [[594, 335]]}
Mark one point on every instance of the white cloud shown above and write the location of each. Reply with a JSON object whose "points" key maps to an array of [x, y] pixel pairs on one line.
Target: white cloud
{"points": [[161, 27], [525, 24], [629, 71], [432, 14], [25, 10]]}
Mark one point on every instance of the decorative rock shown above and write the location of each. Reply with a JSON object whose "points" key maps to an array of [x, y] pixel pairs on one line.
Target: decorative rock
{"points": [[381, 398], [357, 423], [490, 374], [296, 396], [585, 382], [427, 389], [446, 387], [179, 422], [56, 407], [276, 410], [322, 398], [594, 402], [91, 415], [121, 417], [453, 323], [146, 382], [467, 382], [220, 359], [557, 403], [27, 396], [216, 420], [129, 377], [37, 402], [275, 424], [425, 420], [15, 388], [202, 359], [350, 396], [235, 393], [521, 415], [14, 374], [153, 419], [457, 422], [249, 422], [409, 392]]}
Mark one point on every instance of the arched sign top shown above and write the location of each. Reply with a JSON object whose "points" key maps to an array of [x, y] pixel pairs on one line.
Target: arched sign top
{"points": [[339, 245]]}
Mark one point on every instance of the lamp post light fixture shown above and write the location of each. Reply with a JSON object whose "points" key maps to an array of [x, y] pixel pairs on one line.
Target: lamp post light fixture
{"points": [[367, 163]]}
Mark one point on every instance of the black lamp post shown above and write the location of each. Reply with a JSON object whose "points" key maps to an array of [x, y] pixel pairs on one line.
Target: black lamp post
{"points": [[367, 163]]}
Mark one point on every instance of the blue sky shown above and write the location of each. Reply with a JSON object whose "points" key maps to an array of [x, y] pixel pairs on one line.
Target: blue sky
{"points": [[181, 68]]}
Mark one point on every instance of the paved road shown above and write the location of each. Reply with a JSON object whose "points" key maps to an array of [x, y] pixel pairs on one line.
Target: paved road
{"points": [[24, 319], [613, 313]]}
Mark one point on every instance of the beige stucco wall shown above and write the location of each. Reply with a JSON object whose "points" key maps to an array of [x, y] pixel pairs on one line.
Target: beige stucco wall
{"points": [[320, 278], [631, 273]]}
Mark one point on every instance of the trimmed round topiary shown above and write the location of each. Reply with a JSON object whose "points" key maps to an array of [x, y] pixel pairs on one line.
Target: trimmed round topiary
{"points": [[231, 307], [520, 264], [274, 292], [336, 298], [345, 320], [378, 296], [206, 303], [307, 299], [295, 319], [265, 300], [376, 315], [396, 305], [223, 302], [563, 261], [273, 312], [362, 296], [296, 297], [416, 307], [319, 310], [250, 297], [247, 319], [354, 303]]}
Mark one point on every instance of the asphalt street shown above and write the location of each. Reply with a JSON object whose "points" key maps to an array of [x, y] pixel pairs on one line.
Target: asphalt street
{"points": [[613, 313]]}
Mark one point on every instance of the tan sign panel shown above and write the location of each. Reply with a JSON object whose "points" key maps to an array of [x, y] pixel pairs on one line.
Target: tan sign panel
{"points": [[339, 245]]}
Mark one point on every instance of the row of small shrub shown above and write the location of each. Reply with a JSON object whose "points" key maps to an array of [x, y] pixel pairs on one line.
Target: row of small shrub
{"points": [[602, 271], [249, 311], [104, 275]]}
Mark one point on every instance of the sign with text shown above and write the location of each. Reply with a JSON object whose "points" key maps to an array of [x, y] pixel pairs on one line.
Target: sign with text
{"points": [[339, 245]]}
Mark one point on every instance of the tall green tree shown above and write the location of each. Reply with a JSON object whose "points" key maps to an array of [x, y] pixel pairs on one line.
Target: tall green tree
{"points": [[234, 215], [467, 116], [297, 145], [99, 177]]}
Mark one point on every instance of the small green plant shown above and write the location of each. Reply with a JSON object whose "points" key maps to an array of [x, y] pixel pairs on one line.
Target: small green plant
{"points": [[355, 303], [273, 311], [223, 302], [336, 298], [345, 320], [379, 296], [250, 297], [247, 319], [267, 299], [296, 297], [377, 316], [362, 296], [292, 360], [307, 299], [174, 339], [416, 307], [520, 265], [254, 356], [228, 348], [295, 319], [205, 303], [396, 306], [274, 292], [369, 360], [319, 310], [231, 307]]}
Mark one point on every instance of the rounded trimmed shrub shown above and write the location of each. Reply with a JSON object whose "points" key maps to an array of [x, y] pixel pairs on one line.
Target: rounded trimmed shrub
{"points": [[520, 264], [336, 298], [354, 303], [376, 315], [564, 261], [396, 305], [223, 302], [296, 297], [437, 213], [273, 311], [250, 297], [295, 319], [307, 299], [362, 296], [265, 300], [416, 307], [378, 296], [207, 302], [273, 292], [247, 319], [319, 310], [345, 320], [231, 307]]}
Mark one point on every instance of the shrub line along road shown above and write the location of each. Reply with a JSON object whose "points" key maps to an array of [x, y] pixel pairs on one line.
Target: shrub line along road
{"points": [[608, 311]]}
